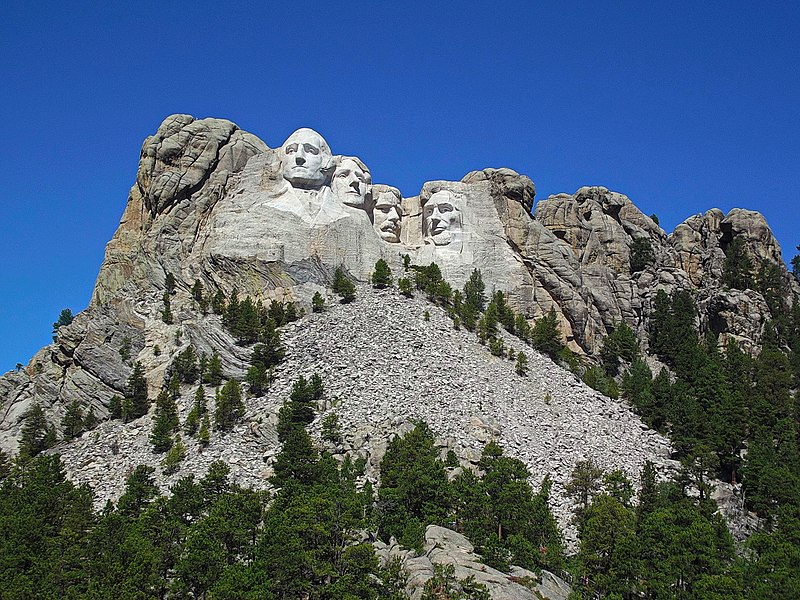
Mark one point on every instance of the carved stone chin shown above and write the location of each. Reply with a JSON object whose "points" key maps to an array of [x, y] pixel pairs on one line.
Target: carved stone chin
{"points": [[441, 219], [387, 214], [351, 183], [306, 159]]}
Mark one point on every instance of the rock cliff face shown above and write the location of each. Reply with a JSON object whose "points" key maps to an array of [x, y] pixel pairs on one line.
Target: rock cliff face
{"points": [[214, 203]]}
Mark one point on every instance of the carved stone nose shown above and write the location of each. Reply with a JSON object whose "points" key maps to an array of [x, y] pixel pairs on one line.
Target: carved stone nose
{"points": [[300, 160], [354, 185]]}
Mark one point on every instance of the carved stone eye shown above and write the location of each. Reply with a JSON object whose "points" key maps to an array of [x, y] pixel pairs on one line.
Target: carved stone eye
{"points": [[311, 149]]}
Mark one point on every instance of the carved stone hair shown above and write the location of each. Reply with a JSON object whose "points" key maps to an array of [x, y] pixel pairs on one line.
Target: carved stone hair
{"points": [[429, 190], [339, 159]]}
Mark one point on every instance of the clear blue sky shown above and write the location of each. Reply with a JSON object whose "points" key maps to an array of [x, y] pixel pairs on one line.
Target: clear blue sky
{"points": [[681, 107]]}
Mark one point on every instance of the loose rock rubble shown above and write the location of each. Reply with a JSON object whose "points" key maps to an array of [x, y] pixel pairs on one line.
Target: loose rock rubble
{"points": [[384, 367]]}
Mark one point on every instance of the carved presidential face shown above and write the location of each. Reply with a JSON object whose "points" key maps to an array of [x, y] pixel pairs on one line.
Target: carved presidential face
{"points": [[306, 155], [350, 183], [387, 214], [441, 218]]}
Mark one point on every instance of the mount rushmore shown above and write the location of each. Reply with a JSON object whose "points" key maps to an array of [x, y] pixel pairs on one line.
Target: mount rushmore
{"points": [[213, 203]]}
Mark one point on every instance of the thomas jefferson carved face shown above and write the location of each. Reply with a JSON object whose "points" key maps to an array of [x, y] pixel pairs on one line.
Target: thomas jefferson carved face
{"points": [[306, 155], [351, 182], [387, 214], [441, 218]]}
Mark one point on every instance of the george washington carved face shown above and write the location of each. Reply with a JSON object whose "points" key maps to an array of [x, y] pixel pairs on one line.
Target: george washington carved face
{"points": [[306, 159]]}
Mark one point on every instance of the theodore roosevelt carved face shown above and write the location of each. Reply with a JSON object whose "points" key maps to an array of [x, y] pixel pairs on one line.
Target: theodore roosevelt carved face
{"points": [[441, 218], [351, 181], [306, 159], [387, 213]]}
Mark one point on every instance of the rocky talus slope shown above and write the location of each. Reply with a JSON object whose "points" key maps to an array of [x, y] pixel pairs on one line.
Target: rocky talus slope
{"points": [[384, 366]]}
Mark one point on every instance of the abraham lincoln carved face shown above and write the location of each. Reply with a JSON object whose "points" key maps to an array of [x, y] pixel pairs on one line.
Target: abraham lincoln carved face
{"points": [[441, 218]]}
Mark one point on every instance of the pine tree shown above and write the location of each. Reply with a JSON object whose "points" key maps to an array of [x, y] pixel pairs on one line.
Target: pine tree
{"points": [[382, 275], [169, 283], [176, 454], [583, 485], [496, 346], [300, 410], [469, 316], [545, 335], [140, 489], [197, 291], [204, 435], [620, 344], [72, 423], [199, 409], [608, 547], [331, 432], [213, 375], [218, 303], [165, 422], [5, 465], [125, 349], [521, 366], [230, 407], [270, 352], [258, 380], [642, 254], [487, 325], [636, 384], [428, 280], [474, 291], [505, 316], [291, 313], [404, 285], [521, 328], [64, 318], [136, 394], [317, 303], [127, 412], [443, 293], [298, 460], [276, 313], [343, 286], [737, 271], [166, 313], [230, 317], [247, 324], [90, 421], [414, 489], [185, 365], [33, 438]]}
